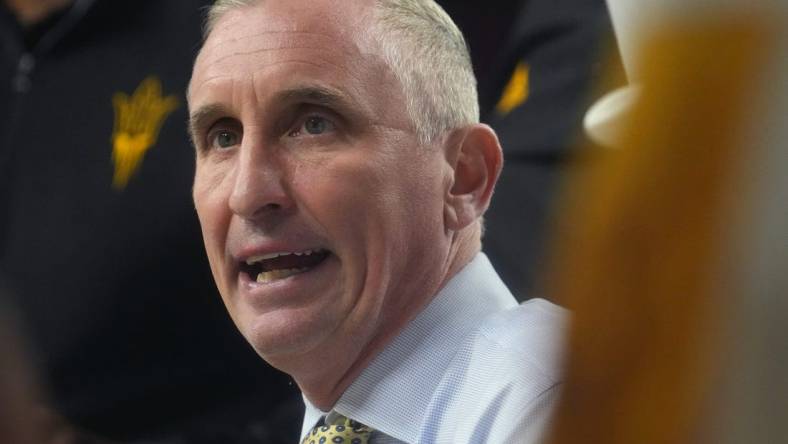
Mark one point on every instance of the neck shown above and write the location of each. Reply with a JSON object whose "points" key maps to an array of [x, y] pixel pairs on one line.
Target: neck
{"points": [[321, 385], [30, 12]]}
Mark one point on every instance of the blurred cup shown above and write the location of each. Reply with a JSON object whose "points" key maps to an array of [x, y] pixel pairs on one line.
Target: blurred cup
{"points": [[635, 23]]}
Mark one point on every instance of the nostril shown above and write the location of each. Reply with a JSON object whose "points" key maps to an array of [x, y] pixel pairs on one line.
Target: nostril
{"points": [[258, 188], [256, 206]]}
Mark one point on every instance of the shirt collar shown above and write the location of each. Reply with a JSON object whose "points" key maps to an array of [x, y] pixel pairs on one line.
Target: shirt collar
{"points": [[392, 394]]}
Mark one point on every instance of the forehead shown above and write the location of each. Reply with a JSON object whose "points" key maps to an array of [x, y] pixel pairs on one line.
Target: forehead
{"points": [[326, 35]]}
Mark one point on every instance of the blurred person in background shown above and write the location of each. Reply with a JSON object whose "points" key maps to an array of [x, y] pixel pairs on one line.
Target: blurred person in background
{"points": [[536, 62], [98, 233]]}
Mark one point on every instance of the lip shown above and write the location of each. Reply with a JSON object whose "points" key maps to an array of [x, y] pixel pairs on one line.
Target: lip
{"points": [[270, 248], [275, 254], [292, 290]]}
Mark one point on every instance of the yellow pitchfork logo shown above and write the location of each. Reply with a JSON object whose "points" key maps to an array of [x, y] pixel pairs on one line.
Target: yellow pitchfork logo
{"points": [[137, 122]]}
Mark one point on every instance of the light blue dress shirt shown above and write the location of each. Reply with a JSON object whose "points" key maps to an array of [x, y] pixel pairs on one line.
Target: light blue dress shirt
{"points": [[473, 367]]}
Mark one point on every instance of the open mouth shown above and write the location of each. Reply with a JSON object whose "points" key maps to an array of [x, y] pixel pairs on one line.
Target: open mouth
{"points": [[275, 266]]}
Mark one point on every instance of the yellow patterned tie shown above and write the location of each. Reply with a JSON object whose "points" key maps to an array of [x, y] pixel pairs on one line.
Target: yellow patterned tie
{"points": [[342, 430]]}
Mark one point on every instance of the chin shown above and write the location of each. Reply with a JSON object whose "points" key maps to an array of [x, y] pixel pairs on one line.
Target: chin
{"points": [[286, 332]]}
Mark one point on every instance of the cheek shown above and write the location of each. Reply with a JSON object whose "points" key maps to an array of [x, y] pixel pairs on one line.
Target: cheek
{"points": [[210, 202], [419, 189], [348, 197], [211, 193], [374, 207], [335, 195]]}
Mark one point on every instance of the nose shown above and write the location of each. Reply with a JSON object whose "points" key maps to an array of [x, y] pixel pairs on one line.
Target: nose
{"points": [[260, 184]]}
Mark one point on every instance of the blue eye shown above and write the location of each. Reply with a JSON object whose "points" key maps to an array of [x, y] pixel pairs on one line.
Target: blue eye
{"points": [[314, 126], [224, 139]]}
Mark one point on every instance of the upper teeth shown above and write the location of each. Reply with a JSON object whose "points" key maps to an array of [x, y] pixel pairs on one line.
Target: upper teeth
{"points": [[263, 257]]}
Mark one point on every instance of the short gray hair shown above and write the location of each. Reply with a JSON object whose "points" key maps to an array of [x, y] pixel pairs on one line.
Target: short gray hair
{"points": [[426, 52]]}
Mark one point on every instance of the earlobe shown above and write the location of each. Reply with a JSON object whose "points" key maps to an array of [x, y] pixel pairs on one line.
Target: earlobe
{"points": [[476, 159]]}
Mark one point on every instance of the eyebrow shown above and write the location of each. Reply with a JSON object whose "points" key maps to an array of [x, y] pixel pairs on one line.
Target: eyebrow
{"points": [[202, 117], [318, 95], [315, 94], [322, 96]]}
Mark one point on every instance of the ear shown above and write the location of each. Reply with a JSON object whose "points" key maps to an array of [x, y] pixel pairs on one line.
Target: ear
{"points": [[475, 157]]}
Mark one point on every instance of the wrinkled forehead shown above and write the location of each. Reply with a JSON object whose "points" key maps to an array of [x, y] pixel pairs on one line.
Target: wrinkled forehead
{"points": [[338, 25]]}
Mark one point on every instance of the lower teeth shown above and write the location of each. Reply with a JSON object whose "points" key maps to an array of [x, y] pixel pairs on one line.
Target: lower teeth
{"points": [[269, 276]]}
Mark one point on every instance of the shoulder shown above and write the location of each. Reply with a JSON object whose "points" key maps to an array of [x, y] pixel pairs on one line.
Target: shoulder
{"points": [[533, 331], [504, 378], [519, 348]]}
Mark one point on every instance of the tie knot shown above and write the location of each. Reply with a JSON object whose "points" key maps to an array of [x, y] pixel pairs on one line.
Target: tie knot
{"points": [[337, 429]]}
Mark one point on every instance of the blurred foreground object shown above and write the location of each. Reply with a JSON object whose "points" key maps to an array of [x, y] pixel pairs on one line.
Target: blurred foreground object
{"points": [[676, 272]]}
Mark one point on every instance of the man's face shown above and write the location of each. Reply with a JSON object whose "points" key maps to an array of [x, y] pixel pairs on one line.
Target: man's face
{"points": [[308, 169]]}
